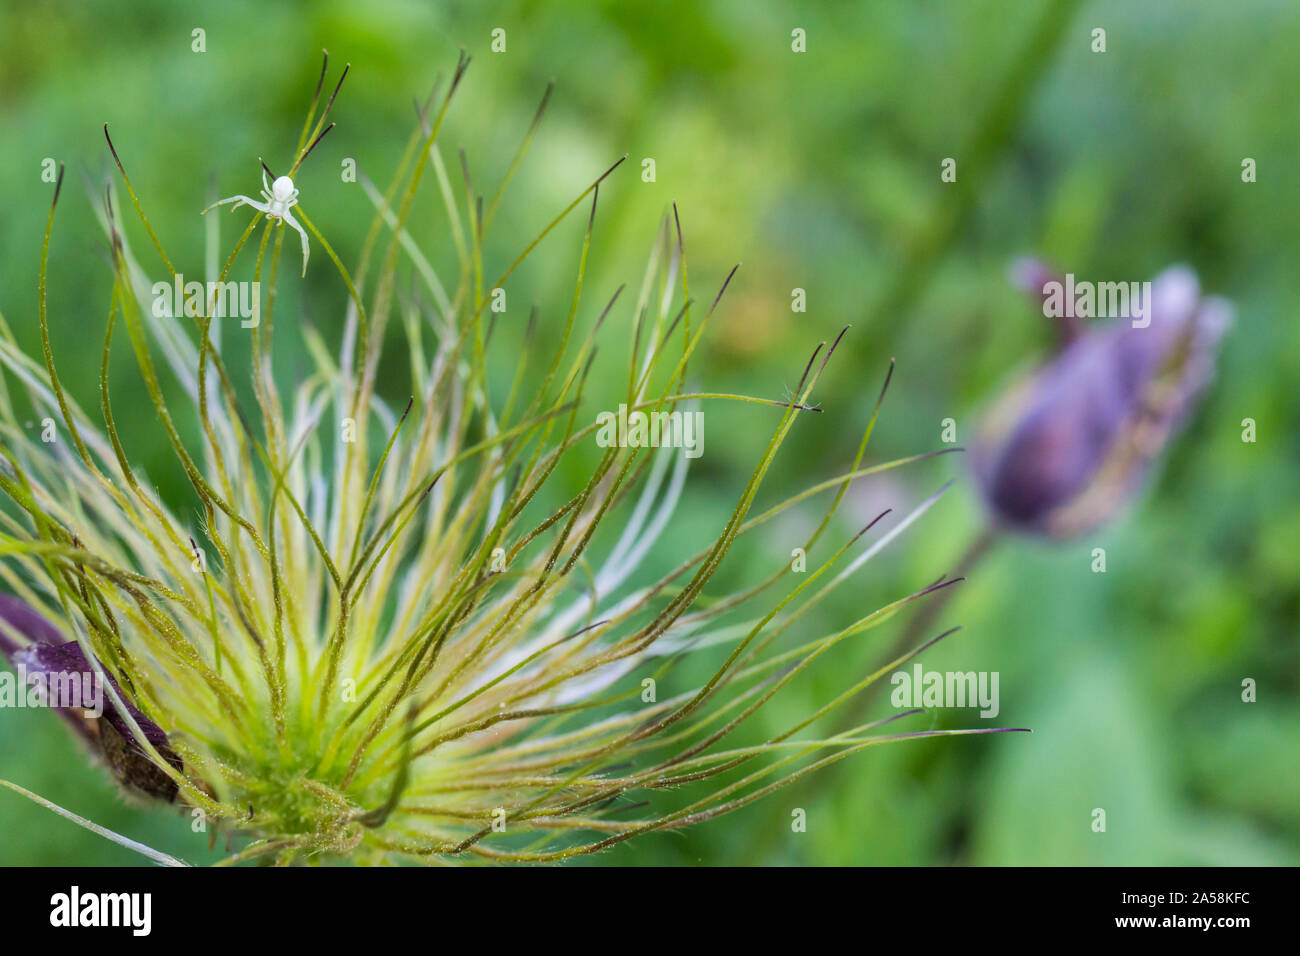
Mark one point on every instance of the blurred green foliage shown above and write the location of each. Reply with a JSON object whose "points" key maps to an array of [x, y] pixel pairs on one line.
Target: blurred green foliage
{"points": [[819, 171]]}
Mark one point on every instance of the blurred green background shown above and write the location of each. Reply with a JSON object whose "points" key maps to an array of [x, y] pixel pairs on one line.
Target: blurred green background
{"points": [[819, 171]]}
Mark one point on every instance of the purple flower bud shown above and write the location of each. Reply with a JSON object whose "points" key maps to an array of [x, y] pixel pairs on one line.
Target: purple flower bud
{"points": [[23, 619], [1062, 451], [49, 656]]}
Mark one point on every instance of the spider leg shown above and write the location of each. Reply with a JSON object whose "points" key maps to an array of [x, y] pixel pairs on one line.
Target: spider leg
{"points": [[288, 217], [261, 207], [238, 201]]}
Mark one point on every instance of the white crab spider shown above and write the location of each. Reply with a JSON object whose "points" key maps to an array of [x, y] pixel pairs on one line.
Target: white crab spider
{"points": [[280, 196]]}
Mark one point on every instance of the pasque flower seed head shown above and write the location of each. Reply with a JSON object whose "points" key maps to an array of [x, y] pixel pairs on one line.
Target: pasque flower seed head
{"points": [[379, 626]]}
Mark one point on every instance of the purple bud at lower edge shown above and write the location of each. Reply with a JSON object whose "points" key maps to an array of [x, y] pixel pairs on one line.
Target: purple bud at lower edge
{"points": [[1062, 452], [48, 654]]}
